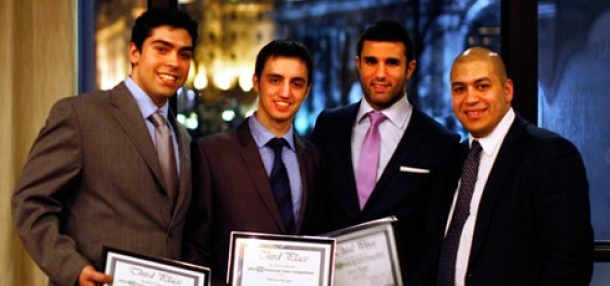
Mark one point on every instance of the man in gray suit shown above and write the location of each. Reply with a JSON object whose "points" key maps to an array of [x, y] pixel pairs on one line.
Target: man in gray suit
{"points": [[232, 189], [93, 177]]}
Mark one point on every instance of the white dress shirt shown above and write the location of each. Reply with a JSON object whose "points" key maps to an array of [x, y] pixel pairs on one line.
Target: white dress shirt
{"points": [[391, 130], [491, 146]]}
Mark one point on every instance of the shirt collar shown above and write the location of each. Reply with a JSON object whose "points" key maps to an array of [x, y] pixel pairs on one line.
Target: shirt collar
{"points": [[145, 103], [262, 135], [397, 114], [491, 142]]}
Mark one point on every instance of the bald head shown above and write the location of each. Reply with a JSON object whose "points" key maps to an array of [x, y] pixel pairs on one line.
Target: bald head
{"points": [[483, 54], [481, 93]]}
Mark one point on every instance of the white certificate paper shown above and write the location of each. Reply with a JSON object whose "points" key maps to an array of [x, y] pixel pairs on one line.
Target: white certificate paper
{"points": [[131, 269], [275, 260], [366, 255]]}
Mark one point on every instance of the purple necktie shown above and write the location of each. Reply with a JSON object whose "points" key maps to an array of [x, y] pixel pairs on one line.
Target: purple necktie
{"points": [[446, 267], [165, 152], [366, 175]]}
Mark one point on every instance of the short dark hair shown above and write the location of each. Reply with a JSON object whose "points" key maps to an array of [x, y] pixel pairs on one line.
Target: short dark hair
{"points": [[387, 31], [284, 48], [156, 17]]}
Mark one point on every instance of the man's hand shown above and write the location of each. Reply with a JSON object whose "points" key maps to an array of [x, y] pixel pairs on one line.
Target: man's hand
{"points": [[89, 277]]}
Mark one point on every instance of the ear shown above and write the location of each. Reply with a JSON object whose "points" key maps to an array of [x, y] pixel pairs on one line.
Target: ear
{"points": [[307, 92], [357, 61], [411, 68], [255, 83], [508, 90], [134, 54]]}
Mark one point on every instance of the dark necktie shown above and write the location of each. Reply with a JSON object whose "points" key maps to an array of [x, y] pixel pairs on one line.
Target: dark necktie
{"points": [[368, 162], [165, 153], [446, 268], [281, 185]]}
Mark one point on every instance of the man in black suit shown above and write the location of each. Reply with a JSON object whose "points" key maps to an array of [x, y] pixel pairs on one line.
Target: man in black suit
{"points": [[527, 218], [416, 154]]}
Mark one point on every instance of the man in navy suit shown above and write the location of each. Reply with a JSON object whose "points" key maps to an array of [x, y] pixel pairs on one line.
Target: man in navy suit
{"points": [[416, 154], [528, 220]]}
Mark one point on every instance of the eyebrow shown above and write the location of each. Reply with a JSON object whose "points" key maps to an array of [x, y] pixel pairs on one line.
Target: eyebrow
{"points": [[482, 79], [282, 76], [385, 60], [166, 43], [478, 80]]}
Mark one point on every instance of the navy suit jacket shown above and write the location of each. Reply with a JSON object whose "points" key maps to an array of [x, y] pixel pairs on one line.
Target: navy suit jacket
{"points": [[533, 226], [231, 192], [409, 196]]}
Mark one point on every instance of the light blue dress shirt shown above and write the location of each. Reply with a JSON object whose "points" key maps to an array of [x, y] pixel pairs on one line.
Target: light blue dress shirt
{"points": [[148, 107], [261, 136]]}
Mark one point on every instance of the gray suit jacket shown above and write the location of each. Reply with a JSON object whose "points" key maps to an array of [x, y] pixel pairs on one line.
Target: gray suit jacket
{"points": [[232, 192], [93, 179]]}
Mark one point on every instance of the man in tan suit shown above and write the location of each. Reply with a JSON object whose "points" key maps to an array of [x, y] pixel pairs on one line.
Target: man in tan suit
{"points": [[233, 190], [93, 177]]}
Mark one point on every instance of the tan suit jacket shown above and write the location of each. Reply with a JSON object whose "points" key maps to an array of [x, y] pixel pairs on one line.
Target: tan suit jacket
{"points": [[93, 179], [232, 193]]}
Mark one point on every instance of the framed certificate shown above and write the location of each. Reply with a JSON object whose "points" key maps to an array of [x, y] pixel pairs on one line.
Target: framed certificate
{"points": [[130, 269], [280, 260], [367, 255]]}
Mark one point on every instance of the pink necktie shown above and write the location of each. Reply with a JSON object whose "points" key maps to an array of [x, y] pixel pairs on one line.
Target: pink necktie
{"points": [[366, 175]]}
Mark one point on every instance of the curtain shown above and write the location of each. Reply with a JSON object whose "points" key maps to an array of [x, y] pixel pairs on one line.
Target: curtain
{"points": [[37, 67]]}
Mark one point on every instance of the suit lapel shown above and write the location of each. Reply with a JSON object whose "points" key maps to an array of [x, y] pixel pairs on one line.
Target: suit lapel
{"points": [[306, 171], [347, 119], [130, 119], [184, 181], [252, 161], [498, 175], [411, 139]]}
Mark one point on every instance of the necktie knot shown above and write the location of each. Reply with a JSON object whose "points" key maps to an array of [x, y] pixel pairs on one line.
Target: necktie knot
{"points": [[376, 118], [475, 149], [158, 120], [277, 144]]}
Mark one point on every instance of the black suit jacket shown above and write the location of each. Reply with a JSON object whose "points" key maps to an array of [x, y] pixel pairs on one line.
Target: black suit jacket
{"points": [[231, 192], [533, 225], [409, 196]]}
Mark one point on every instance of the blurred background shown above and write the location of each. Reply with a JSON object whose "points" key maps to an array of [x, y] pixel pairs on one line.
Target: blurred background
{"points": [[218, 94]]}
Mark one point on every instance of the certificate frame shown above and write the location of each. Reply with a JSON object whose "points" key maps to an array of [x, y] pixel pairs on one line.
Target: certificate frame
{"points": [[273, 259], [131, 268], [363, 250]]}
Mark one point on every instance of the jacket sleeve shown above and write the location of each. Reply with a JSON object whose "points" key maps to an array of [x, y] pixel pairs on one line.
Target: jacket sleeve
{"points": [[46, 181], [563, 214], [199, 217]]}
